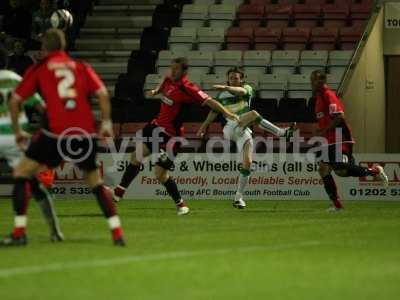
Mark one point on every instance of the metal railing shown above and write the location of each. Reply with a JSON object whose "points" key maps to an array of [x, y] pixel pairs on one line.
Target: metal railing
{"points": [[359, 49]]}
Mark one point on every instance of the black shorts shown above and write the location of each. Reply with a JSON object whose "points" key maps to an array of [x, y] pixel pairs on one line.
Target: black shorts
{"points": [[166, 146], [52, 151], [336, 155]]}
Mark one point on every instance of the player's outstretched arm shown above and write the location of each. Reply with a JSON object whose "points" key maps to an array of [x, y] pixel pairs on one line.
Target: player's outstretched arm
{"points": [[212, 115], [235, 90], [105, 107], [218, 107]]}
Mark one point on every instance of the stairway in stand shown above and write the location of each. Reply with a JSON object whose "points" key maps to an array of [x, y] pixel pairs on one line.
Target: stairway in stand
{"points": [[111, 33]]}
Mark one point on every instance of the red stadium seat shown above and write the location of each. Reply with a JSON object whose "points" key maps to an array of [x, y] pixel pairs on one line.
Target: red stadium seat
{"points": [[267, 38], [295, 38], [315, 2], [261, 2], [250, 15], [349, 37], [306, 15], [359, 13], [335, 15], [323, 38], [238, 38], [278, 15]]}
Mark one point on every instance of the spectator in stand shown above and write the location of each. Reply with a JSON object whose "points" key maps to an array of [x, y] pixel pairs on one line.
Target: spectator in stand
{"points": [[19, 61], [41, 19], [17, 20]]}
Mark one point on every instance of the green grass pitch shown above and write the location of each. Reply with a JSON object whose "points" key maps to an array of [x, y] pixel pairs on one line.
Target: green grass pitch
{"points": [[272, 250]]}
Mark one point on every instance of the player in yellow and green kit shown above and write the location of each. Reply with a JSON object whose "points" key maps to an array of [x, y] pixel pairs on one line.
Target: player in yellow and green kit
{"points": [[236, 97], [40, 186]]}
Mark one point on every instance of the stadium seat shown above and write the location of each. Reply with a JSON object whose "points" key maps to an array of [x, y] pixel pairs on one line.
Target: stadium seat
{"points": [[164, 60], [200, 62], [195, 78], [267, 38], [237, 3], [182, 39], [349, 37], [313, 60], [323, 38], [299, 87], [203, 2], [338, 62], [256, 62], [252, 79], [152, 82], [250, 15], [272, 86], [226, 59], [222, 15], [154, 39], [360, 12], [284, 62], [333, 81], [278, 15], [295, 38], [335, 15], [210, 39], [130, 88], [238, 38], [194, 15], [209, 80], [306, 15], [166, 15]]}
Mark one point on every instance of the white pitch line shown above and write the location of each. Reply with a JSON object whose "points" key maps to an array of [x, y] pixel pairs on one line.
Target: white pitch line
{"points": [[62, 266]]}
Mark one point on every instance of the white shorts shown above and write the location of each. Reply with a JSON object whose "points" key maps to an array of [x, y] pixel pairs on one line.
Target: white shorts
{"points": [[233, 132], [9, 150]]}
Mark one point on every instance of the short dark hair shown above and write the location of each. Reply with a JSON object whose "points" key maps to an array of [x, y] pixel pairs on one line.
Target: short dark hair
{"points": [[320, 75], [54, 40], [236, 70], [3, 58], [182, 61]]}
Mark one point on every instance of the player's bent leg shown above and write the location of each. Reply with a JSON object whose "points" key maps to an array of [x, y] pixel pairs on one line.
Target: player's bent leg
{"points": [[244, 174], [131, 171], [254, 117], [163, 177], [104, 198], [353, 170], [41, 186], [325, 171], [23, 172]]}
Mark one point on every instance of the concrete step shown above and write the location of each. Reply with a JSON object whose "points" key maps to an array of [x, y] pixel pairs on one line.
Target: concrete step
{"points": [[109, 68], [130, 2], [124, 10], [108, 44], [111, 32], [118, 22], [102, 56]]}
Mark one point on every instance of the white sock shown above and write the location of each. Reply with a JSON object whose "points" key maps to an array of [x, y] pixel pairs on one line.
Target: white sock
{"points": [[271, 128], [114, 222], [243, 180], [20, 221]]}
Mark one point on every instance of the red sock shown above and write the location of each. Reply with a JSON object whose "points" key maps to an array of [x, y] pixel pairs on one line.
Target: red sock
{"points": [[117, 233], [18, 232], [337, 203]]}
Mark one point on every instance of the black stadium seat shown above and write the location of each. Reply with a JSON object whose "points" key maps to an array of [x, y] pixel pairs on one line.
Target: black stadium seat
{"points": [[154, 39]]}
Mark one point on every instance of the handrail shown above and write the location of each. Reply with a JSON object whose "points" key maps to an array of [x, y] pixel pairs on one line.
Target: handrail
{"points": [[358, 51]]}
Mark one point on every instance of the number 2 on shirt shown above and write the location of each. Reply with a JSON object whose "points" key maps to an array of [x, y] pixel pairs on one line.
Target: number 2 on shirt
{"points": [[65, 86]]}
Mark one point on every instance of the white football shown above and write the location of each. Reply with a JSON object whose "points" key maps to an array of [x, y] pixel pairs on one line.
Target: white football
{"points": [[61, 19]]}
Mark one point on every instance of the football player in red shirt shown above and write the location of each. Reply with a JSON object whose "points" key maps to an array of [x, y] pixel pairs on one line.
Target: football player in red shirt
{"points": [[65, 86], [337, 151], [176, 91]]}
